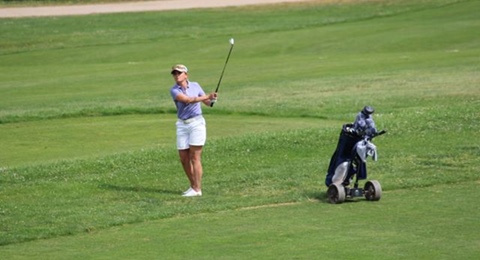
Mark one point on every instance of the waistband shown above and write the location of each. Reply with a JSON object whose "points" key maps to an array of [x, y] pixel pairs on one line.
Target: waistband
{"points": [[190, 120]]}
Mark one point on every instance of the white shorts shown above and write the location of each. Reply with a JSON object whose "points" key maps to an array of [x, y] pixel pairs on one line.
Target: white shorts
{"points": [[191, 132]]}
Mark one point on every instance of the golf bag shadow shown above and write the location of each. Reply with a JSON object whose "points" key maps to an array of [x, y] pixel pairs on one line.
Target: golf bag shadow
{"points": [[349, 162]]}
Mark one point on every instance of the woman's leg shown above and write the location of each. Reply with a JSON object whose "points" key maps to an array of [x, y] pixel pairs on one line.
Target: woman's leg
{"points": [[197, 169]]}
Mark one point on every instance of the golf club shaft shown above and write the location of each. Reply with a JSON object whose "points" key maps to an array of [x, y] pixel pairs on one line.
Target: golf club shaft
{"points": [[221, 76]]}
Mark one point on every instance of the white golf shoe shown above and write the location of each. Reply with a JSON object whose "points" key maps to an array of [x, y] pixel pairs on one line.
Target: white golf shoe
{"points": [[187, 191], [192, 193]]}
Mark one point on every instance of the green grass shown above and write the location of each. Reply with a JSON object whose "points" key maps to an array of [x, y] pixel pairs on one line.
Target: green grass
{"points": [[32, 142], [88, 167], [295, 231]]}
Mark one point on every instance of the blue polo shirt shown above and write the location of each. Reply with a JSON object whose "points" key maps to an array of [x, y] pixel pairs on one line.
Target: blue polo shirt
{"points": [[184, 110]]}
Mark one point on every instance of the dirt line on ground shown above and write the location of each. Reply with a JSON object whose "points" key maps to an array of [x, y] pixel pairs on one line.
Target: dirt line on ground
{"points": [[145, 6]]}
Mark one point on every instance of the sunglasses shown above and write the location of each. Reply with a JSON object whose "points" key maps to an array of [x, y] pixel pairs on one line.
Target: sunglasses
{"points": [[176, 72]]}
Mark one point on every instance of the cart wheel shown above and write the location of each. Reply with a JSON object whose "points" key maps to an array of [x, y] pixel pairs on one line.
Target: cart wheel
{"points": [[336, 193], [373, 190]]}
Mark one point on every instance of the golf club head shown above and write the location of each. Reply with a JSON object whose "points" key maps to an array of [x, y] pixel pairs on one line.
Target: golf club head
{"points": [[232, 41]]}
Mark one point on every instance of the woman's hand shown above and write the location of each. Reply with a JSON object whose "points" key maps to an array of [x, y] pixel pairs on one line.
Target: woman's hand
{"points": [[213, 95]]}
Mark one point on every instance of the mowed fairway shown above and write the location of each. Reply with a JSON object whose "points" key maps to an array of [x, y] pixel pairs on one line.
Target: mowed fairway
{"points": [[88, 166], [307, 230]]}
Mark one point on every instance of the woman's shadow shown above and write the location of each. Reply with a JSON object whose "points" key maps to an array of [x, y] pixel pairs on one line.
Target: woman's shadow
{"points": [[107, 186]]}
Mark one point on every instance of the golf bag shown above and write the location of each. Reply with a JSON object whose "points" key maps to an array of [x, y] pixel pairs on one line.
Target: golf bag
{"points": [[350, 156], [352, 150], [350, 160]]}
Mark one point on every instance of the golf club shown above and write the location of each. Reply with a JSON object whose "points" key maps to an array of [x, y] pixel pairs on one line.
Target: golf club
{"points": [[224, 66]]}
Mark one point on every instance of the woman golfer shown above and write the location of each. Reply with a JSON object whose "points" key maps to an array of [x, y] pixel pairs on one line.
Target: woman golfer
{"points": [[191, 126]]}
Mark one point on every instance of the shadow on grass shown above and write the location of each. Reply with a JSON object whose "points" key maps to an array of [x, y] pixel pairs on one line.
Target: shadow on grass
{"points": [[136, 189], [321, 196]]}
